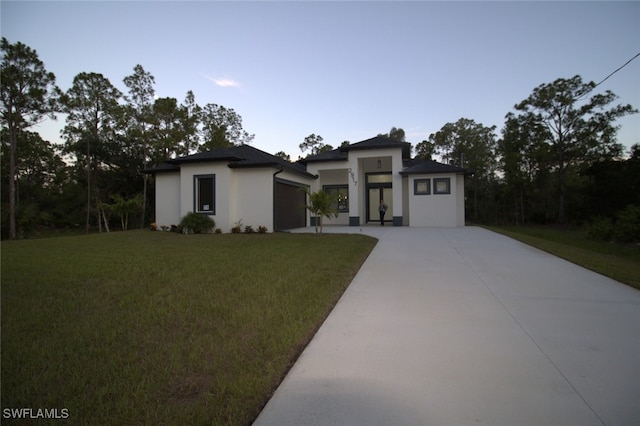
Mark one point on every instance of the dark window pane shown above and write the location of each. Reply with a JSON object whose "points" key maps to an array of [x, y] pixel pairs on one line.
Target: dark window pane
{"points": [[205, 194], [422, 187], [442, 186]]}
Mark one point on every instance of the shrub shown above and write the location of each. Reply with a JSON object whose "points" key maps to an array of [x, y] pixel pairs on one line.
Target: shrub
{"points": [[153, 226], [237, 228], [248, 229], [262, 229], [196, 223], [218, 231], [627, 227], [600, 228]]}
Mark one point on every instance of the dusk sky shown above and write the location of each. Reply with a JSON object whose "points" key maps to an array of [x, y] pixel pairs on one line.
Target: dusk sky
{"points": [[343, 70]]}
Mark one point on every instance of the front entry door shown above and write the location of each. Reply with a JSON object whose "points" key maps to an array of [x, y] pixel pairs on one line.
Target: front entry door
{"points": [[375, 196]]}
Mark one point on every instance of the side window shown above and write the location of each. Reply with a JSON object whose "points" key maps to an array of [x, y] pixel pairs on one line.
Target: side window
{"points": [[422, 187], [442, 185], [204, 194]]}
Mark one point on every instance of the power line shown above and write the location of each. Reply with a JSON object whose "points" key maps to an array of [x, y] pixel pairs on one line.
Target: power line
{"points": [[625, 64], [607, 77]]}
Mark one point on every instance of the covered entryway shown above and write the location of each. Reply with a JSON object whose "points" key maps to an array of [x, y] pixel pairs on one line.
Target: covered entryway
{"points": [[379, 188], [376, 196], [289, 206]]}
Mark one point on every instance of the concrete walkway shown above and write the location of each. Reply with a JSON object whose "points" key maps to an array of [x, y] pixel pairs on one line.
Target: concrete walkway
{"points": [[463, 326]]}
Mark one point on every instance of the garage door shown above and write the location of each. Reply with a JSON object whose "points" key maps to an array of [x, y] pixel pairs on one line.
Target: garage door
{"points": [[290, 209]]}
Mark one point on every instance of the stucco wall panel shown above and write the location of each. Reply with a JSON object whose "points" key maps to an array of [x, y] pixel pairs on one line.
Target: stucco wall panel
{"points": [[437, 210], [252, 200], [222, 188], [167, 199]]}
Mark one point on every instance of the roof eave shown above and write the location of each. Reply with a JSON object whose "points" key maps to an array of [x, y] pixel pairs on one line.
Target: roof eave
{"points": [[291, 169], [323, 160], [203, 160], [435, 172]]}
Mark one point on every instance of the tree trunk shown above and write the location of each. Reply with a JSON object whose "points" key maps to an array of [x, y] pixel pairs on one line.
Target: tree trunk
{"points": [[88, 189], [522, 206], [475, 201], [13, 148], [561, 152], [105, 220], [561, 173], [99, 214]]}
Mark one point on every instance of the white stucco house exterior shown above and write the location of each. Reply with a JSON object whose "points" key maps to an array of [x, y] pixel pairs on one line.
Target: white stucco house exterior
{"points": [[246, 184]]}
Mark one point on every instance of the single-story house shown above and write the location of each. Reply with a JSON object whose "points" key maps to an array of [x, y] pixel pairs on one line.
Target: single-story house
{"points": [[247, 185]]}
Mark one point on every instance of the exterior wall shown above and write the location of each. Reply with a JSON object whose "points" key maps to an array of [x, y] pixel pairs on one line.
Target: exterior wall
{"points": [[222, 214], [251, 198], [460, 208], [437, 210], [356, 199], [167, 198], [329, 170], [247, 193], [405, 201], [240, 194]]}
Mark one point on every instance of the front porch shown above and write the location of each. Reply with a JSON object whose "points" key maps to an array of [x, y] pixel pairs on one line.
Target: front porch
{"points": [[368, 179]]}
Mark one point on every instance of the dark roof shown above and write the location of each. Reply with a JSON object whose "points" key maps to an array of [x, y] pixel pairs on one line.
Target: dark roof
{"points": [[335, 155], [423, 167], [248, 156], [162, 168], [237, 157], [380, 142]]}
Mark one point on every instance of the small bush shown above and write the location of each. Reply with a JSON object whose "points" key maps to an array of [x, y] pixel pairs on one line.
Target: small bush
{"points": [[218, 231], [248, 229], [196, 223], [237, 228], [153, 226], [627, 227], [262, 229], [600, 228]]}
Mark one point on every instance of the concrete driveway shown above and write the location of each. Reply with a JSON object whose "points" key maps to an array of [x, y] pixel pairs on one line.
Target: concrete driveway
{"points": [[463, 326]]}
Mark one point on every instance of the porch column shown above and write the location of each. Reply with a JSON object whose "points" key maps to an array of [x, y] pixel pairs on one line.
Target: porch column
{"points": [[354, 207], [396, 178]]}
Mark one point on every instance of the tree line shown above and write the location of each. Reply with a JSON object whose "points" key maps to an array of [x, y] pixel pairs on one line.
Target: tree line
{"points": [[110, 138], [556, 160]]}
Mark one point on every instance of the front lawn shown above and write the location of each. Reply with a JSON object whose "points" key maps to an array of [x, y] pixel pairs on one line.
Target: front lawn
{"points": [[149, 327], [618, 261]]}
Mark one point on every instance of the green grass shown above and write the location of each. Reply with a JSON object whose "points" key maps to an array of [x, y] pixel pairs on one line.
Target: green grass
{"points": [[149, 327], [618, 261]]}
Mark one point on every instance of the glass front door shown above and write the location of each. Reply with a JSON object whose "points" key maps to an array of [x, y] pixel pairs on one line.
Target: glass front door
{"points": [[376, 195]]}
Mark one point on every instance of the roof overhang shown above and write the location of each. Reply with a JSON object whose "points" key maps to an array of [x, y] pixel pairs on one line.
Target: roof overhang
{"points": [[291, 169]]}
